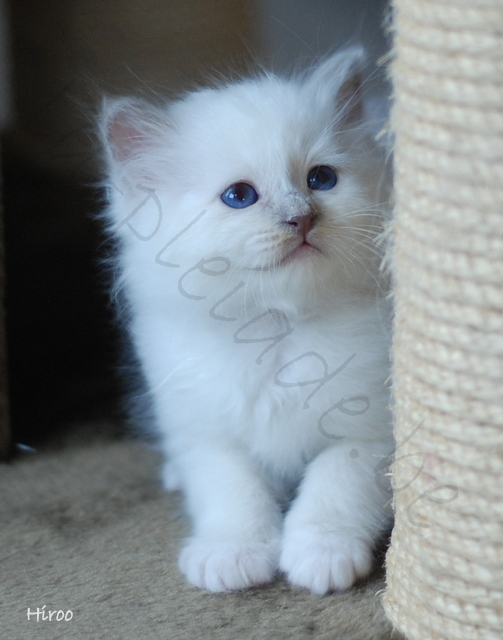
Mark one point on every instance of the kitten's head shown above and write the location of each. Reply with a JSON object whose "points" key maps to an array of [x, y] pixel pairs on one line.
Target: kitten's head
{"points": [[286, 171]]}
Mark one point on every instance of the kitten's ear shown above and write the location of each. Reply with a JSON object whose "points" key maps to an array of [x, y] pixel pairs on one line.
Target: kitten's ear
{"points": [[131, 130], [339, 78]]}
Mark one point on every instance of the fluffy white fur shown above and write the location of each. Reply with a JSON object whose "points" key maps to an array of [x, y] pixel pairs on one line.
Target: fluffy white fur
{"points": [[266, 362]]}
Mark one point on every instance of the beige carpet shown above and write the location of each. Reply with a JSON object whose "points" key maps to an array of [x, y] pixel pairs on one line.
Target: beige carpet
{"points": [[86, 528]]}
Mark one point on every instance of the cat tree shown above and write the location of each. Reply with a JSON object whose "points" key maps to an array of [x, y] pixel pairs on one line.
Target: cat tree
{"points": [[445, 563]]}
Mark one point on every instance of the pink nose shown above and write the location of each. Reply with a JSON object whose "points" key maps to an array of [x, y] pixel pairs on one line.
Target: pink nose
{"points": [[303, 224]]}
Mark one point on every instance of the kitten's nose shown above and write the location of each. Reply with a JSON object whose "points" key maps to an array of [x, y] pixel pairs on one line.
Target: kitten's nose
{"points": [[303, 224]]}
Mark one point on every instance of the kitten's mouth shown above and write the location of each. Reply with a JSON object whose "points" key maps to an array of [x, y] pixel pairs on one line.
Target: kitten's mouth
{"points": [[301, 251]]}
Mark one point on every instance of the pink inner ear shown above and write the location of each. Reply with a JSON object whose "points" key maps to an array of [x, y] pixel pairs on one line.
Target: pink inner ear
{"points": [[124, 138], [349, 100]]}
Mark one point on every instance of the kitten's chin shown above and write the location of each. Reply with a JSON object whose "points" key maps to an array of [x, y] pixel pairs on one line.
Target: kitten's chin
{"points": [[301, 252]]}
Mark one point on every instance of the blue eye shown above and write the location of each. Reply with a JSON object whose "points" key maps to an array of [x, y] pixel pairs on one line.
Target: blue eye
{"points": [[321, 178], [239, 195]]}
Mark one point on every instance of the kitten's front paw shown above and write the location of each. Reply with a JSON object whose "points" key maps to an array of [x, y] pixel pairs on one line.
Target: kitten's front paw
{"points": [[228, 565], [323, 562]]}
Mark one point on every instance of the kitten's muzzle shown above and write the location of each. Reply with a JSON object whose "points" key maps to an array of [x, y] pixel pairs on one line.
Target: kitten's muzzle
{"points": [[302, 224]]}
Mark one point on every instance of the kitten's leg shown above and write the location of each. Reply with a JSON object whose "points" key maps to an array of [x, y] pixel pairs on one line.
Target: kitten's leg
{"points": [[341, 507], [235, 543]]}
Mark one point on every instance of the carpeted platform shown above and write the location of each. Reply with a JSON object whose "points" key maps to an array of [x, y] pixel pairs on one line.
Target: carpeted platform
{"points": [[86, 528]]}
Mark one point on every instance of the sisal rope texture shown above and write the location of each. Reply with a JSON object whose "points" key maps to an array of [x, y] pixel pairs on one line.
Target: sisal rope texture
{"points": [[445, 563]]}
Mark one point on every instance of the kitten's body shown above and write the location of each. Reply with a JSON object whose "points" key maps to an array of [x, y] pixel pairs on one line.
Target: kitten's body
{"points": [[262, 331]]}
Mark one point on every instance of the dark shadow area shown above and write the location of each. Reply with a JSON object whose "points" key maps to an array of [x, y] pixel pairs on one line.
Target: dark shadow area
{"points": [[62, 344]]}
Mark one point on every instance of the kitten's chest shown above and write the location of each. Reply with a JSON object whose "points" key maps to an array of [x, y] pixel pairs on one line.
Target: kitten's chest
{"points": [[283, 390], [283, 394], [292, 362], [271, 369]]}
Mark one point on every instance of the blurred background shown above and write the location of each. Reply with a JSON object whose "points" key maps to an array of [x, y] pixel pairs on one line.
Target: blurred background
{"points": [[57, 58]]}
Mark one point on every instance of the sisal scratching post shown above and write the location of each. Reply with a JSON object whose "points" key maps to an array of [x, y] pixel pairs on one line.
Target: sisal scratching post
{"points": [[445, 563]]}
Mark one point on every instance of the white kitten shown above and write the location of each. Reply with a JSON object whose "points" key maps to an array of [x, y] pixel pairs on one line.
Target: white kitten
{"points": [[246, 217]]}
